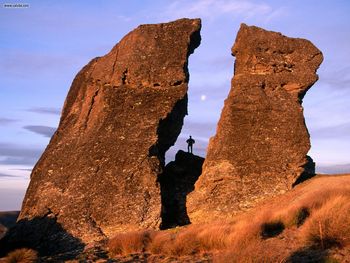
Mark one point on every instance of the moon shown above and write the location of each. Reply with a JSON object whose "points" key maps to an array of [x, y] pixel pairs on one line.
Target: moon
{"points": [[203, 97]]}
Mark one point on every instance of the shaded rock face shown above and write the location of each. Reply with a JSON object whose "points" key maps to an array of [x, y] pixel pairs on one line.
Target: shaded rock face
{"points": [[176, 182], [43, 234], [260, 146], [123, 111]]}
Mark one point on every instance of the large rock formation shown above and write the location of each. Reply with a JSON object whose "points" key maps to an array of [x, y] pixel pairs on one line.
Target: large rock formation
{"points": [[261, 141], [124, 110]]}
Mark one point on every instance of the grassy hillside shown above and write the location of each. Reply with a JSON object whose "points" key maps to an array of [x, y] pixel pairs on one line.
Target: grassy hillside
{"points": [[311, 223]]}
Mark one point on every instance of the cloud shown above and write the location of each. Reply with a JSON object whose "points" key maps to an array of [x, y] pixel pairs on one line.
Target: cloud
{"points": [[10, 171], [23, 169], [212, 65], [200, 130], [26, 63], [18, 155], [19, 160], [335, 131], [215, 8], [40, 129], [13, 150], [5, 121], [45, 110], [7, 175], [336, 77]]}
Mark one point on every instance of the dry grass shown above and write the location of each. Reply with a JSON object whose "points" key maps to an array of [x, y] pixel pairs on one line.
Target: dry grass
{"points": [[130, 242], [22, 255], [161, 242], [256, 251], [329, 225], [314, 214]]}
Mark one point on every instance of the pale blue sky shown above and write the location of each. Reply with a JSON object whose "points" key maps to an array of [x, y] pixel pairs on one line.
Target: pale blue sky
{"points": [[44, 46]]}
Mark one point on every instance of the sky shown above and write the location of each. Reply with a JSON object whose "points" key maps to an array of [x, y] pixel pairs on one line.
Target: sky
{"points": [[46, 43]]}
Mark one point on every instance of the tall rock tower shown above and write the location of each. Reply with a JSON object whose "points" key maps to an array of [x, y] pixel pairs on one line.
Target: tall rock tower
{"points": [[99, 173], [260, 146]]}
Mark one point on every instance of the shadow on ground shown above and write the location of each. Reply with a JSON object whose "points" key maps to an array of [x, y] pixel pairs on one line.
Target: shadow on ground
{"points": [[308, 255], [43, 234]]}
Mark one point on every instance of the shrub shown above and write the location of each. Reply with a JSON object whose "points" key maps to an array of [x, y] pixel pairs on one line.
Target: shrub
{"points": [[271, 229], [22, 255], [300, 216]]}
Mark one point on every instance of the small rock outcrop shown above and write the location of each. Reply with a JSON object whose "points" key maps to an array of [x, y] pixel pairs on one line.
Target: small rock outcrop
{"points": [[176, 182], [99, 173], [260, 146]]}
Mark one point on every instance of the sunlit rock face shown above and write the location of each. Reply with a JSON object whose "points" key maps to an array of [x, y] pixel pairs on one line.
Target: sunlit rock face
{"points": [[99, 173], [261, 143]]}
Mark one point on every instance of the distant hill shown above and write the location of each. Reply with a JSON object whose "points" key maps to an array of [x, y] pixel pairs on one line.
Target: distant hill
{"points": [[334, 169]]}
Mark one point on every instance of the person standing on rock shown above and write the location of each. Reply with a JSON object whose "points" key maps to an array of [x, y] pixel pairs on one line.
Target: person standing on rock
{"points": [[190, 143]]}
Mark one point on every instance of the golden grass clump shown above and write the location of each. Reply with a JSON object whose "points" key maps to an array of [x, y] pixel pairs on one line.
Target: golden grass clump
{"points": [[161, 242], [22, 255], [257, 251], [130, 242], [329, 225]]}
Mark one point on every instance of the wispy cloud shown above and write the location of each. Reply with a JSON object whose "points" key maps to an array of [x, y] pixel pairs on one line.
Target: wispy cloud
{"points": [[26, 63], [201, 130], [40, 129], [335, 131], [2, 175], [336, 78], [211, 9], [12, 154], [23, 169], [6, 121], [44, 110], [13, 150]]}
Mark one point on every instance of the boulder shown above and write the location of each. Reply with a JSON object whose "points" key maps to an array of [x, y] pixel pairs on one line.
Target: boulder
{"points": [[261, 142], [99, 173]]}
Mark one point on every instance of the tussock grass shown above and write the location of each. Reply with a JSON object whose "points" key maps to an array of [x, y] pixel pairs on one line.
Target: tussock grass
{"points": [[130, 242], [22, 255], [256, 251], [329, 225]]}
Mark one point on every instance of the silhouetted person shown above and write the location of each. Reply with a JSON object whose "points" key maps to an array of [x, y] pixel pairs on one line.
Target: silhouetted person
{"points": [[190, 143]]}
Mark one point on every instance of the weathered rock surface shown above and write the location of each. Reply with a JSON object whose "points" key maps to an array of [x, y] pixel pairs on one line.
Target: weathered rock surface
{"points": [[261, 141], [124, 110], [176, 182]]}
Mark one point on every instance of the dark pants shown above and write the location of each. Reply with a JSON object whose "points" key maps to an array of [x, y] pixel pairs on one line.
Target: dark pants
{"points": [[189, 148]]}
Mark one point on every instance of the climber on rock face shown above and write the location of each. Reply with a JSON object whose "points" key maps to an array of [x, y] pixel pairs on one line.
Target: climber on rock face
{"points": [[190, 143]]}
